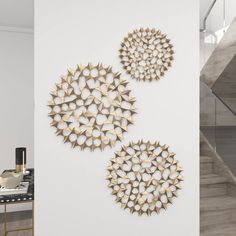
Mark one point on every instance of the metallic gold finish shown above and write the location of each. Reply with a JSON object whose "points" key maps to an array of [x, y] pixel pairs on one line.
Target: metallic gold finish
{"points": [[19, 168], [6, 231], [5, 219], [32, 218], [146, 54], [144, 177], [91, 107]]}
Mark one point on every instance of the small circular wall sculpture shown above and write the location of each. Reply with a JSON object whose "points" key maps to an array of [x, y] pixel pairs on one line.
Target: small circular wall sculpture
{"points": [[92, 107], [144, 177], [146, 54]]}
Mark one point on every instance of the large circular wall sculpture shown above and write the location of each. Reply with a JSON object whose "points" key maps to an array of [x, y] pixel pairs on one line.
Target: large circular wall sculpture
{"points": [[146, 54], [144, 177], [92, 107]]}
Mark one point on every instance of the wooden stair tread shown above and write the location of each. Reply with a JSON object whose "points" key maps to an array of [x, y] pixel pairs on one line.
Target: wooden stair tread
{"points": [[218, 203], [207, 159], [219, 230], [212, 179]]}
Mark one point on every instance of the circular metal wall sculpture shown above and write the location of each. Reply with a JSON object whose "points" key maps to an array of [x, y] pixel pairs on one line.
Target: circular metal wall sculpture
{"points": [[146, 54], [144, 177], [91, 107]]}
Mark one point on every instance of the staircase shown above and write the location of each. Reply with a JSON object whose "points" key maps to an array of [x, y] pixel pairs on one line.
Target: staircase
{"points": [[218, 194], [219, 73], [225, 86], [217, 183]]}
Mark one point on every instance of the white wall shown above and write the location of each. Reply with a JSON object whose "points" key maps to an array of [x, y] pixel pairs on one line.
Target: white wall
{"points": [[230, 11], [16, 97], [72, 196], [16, 100]]}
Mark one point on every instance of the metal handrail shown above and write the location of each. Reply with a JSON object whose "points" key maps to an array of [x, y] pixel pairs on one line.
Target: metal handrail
{"points": [[206, 16]]}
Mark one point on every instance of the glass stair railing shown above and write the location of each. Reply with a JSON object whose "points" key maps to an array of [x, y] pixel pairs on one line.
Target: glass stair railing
{"points": [[217, 121]]}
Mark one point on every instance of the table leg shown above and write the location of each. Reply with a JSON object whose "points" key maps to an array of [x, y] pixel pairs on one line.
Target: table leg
{"points": [[6, 231], [5, 219], [32, 218]]}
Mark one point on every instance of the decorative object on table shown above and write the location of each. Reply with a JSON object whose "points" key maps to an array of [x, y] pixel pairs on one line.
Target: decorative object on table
{"points": [[146, 54], [22, 194], [20, 159], [92, 107], [10, 180], [22, 188], [19, 197], [144, 177]]}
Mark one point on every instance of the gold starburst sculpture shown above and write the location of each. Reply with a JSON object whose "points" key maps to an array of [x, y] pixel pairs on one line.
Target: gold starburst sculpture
{"points": [[146, 54], [144, 177], [91, 107]]}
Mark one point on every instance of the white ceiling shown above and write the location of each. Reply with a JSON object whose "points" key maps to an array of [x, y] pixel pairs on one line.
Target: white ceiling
{"points": [[17, 13]]}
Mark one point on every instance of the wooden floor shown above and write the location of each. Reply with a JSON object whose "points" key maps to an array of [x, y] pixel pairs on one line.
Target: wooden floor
{"points": [[18, 220], [218, 204], [224, 139]]}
